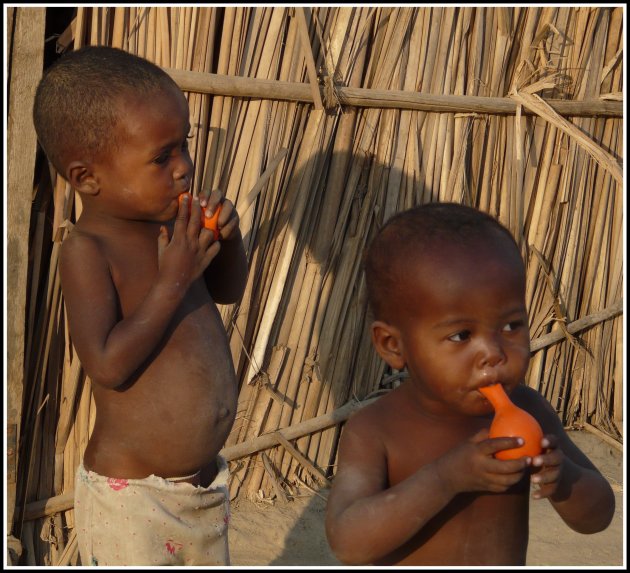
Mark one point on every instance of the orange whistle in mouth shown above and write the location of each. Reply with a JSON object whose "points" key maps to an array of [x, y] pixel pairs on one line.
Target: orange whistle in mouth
{"points": [[210, 223], [511, 421]]}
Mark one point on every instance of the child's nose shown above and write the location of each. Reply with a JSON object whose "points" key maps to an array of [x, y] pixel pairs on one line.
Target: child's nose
{"points": [[490, 353], [184, 167]]}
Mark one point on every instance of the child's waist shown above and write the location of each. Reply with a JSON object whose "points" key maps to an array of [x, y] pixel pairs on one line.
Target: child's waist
{"points": [[213, 475]]}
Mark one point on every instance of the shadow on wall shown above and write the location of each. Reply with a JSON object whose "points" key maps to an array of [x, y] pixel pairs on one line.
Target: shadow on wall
{"points": [[300, 340]]}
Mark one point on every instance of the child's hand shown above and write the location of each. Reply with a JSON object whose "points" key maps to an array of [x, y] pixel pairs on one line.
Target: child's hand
{"points": [[191, 248], [472, 467], [228, 218], [548, 468]]}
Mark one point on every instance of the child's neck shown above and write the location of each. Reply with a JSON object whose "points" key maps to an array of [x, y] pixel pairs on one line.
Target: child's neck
{"points": [[94, 220], [436, 411]]}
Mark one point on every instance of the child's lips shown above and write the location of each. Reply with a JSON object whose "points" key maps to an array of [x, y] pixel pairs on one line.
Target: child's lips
{"points": [[485, 385]]}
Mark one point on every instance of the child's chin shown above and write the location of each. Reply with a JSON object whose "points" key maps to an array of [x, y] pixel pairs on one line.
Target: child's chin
{"points": [[484, 409]]}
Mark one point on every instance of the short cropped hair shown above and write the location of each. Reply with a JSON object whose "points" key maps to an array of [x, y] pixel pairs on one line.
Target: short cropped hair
{"points": [[77, 103], [409, 234]]}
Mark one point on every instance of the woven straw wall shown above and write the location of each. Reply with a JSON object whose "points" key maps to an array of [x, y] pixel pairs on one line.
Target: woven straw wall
{"points": [[319, 124]]}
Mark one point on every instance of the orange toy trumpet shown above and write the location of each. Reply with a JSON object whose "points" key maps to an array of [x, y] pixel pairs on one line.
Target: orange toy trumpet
{"points": [[210, 223], [512, 421]]}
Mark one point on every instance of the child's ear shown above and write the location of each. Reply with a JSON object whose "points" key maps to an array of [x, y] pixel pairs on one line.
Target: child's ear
{"points": [[388, 343], [79, 174]]}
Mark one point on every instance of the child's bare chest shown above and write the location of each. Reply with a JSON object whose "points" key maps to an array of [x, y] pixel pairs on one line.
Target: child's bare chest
{"points": [[134, 270], [475, 527]]}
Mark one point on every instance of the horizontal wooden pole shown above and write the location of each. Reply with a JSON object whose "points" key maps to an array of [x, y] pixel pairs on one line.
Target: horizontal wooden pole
{"points": [[397, 99], [578, 325], [292, 432], [238, 86], [50, 506]]}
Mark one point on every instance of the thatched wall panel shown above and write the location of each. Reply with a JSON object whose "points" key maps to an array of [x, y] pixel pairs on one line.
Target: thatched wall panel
{"points": [[299, 337]]}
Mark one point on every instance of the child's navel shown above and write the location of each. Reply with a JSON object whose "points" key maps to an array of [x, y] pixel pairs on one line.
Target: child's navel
{"points": [[224, 412]]}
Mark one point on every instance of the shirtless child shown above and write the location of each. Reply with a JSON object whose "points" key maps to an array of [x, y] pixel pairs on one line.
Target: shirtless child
{"points": [[417, 483], [141, 279]]}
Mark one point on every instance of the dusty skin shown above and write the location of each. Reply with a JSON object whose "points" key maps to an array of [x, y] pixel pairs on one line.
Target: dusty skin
{"points": [[292, 534]]}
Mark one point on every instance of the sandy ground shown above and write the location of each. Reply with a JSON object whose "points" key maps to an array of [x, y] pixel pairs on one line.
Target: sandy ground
{"points": [[292, 533]]}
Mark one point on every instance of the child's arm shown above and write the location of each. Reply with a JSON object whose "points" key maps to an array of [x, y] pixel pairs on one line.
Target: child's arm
{"points": [[226, 276], [366, 519], [573, 485], [111, 350]]}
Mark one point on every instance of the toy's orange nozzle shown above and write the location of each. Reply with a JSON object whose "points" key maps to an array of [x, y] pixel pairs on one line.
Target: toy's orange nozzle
{"points": [[512, 421]]}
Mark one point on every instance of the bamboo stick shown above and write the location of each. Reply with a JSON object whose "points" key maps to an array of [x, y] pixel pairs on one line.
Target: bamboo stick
{"points": [[271, 472], [310, 466], [308, 56], [604, 437], [70, 551]]}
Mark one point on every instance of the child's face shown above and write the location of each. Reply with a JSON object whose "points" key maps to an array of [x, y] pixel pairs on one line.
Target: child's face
{"points": [[142, 177], [466, 326]]}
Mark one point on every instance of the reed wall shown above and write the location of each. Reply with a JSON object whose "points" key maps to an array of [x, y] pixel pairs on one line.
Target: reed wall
{"points": [[319, 124]]}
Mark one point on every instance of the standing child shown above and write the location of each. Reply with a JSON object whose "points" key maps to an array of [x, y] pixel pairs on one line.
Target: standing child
{"points": [[417, 483], [141, 279]]}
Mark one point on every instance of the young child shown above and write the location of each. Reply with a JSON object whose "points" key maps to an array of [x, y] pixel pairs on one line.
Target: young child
{"points": [[417, 483], [141, 279]]}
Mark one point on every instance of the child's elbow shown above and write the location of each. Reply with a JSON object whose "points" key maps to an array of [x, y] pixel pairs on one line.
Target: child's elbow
{"points": [[604, 517], [347, 556], [345, 550], [599, 518], [106, 378]]}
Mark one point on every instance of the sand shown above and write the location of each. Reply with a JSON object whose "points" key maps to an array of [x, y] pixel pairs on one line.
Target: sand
{"points": [[292, 533]]}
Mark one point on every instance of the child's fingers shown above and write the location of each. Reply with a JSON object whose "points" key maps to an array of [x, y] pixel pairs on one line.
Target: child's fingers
{"points": [[549, 441], [544, 484], [498, 483], [227, 212], [494, 445], [546, 476], [480, 436], [206, 238], [516, 466], [194, 223], [182, 214], [162, 241], [211, 201], [226, 230], [550, 458], [211, 252]]}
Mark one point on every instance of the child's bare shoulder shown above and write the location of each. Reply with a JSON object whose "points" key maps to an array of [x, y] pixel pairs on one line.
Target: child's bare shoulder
{"points": [[538, 406], [81, 254], [78, 243], [375, 417]]}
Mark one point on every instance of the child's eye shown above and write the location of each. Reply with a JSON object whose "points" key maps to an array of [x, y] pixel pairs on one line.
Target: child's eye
{"points": [[162, 159], [460, 336], [514, 325]]}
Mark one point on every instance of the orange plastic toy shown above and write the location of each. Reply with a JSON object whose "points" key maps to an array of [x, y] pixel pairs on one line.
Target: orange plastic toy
{"points": [[211, 223], [512, 421]]}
